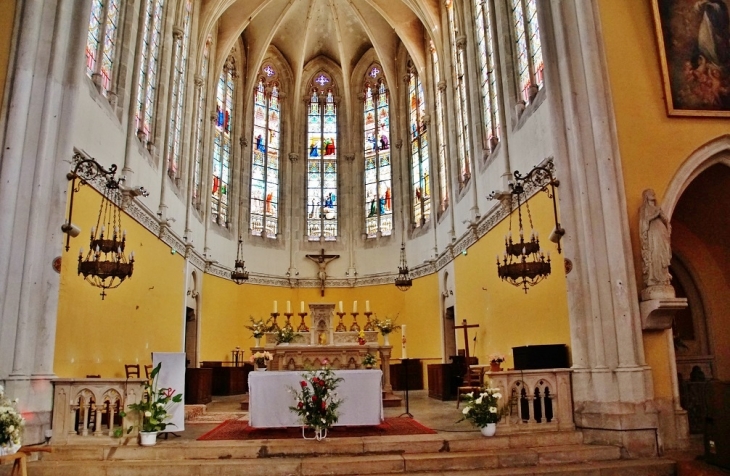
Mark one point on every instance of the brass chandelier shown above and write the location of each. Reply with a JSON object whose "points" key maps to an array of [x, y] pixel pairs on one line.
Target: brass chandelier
{"points": [[524, 264], [239, 275], [403, 281], [105, 265]]}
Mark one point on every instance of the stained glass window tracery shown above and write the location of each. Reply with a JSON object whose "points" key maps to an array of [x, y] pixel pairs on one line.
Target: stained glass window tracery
{"points": [[222, 144], [101, 42], [462, 118], [440, 133], [322, 198], [150, 51], [199, 146], [486, 49], [530, 65], [265, 161], [420, 165], [178, 96], [378, 171]]}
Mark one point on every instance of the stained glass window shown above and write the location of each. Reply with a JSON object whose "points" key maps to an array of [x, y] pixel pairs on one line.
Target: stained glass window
{"points": [[265, 162], [222, 144], [440, 133], [462, 118], [378, 186], [178, 96], [199, 149], [150, 52], [420, 171], [487, 67], [100, 42], [529, 48], [322, 160]]}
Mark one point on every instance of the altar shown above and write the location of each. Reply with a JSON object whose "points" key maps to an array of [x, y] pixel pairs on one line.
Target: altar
{"points": [[270, 398]]}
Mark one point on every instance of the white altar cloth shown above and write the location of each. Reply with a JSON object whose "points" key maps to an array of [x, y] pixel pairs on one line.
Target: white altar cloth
{"points": [[269, 398]]}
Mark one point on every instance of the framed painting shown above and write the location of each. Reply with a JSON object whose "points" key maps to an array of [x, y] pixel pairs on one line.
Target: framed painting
{"points": [[694, 48]]}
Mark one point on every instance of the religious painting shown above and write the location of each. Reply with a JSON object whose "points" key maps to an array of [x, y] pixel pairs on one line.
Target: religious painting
{"points": [[694, 47]]}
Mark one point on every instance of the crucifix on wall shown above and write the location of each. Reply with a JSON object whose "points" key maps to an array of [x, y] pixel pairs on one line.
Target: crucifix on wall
{"points": [[466, 326], [322, 260]]}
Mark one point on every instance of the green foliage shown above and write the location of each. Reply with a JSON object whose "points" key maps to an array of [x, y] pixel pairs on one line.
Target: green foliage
{"points": [[11, 421], [258, 327], [369, 359], [317, 403], [155, 405], [285, 335], [482, 407], [385, 326]]}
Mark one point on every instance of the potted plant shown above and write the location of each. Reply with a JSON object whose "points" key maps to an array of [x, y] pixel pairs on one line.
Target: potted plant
{"points": [[11, 423], [385, 326], [317, 402], [154, 408], [495, 362], [285, 335], [259, 360], [482, 409], [369, 361], [258, 327]]}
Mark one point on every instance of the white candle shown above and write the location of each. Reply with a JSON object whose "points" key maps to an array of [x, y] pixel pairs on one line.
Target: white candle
{"points": [[367, 306], [288, 307], [301, 307], [275, 306], [404, 354], [354, 306], [341, 307]]}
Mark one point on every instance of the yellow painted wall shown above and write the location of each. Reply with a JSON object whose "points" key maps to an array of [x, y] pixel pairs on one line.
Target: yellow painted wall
{"points": [[143, 315], [7, 16], [226, 308], [508, 317], [652, 144]]}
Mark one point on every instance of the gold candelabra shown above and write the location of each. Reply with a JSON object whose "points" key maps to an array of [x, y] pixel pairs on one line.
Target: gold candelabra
{"points": [[302, 327], [368, 325], [355, 327], [274, 326], [341, 326]]}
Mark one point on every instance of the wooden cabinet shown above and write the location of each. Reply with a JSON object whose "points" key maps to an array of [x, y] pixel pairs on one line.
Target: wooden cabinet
{"points": [[229, 380], [415, 374], [442, 381], [198, 386]]}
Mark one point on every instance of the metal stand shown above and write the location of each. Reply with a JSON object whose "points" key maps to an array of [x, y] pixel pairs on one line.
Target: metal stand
{"points": [[167, 433], [404, 363]]}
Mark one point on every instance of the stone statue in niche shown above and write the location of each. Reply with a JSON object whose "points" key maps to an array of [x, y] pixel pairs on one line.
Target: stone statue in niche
{"points": [[656, 249]]}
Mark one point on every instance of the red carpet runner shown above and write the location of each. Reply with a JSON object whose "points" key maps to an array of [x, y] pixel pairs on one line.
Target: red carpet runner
{"points": [[239, 430]]}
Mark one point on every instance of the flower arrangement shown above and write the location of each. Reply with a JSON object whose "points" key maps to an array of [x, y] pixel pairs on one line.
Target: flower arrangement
{"points": [[258, 327], [155, 405], [285, 335], [369, 360], [496, 358], [361, 337], [317, 402], [483, 407], [260, 358], [11, 422], [385, 326]]}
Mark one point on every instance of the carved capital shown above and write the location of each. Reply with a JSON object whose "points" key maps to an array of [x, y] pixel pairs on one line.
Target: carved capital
{"points": [[461, 41], [442, 85], [293, 157], [177, 32], [361, 96], [399, 143], [243, 142], [350, 157], [199, 81], [426, 119]]}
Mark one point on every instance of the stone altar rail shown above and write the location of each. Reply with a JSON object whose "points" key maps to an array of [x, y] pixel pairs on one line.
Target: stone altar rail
{"points": [[537, 399], [87, 409]]}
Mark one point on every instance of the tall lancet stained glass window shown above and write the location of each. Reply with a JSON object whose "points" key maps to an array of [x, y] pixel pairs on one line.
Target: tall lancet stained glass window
{"points": [[265, 160], [322, 200], [200, 133], [180, 63], [462, 118], [420, 171], [222, 144], [529, 48], [100, 42], [486, 49], [440, 131], [378, 185], [152, 11]]}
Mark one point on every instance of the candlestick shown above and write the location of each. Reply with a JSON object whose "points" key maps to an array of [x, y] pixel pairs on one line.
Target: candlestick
{"points": [[301, 307], [354, 327], [404, 353], [288, 306], [367, 306], [288, 323], [368, 325], [274, 326], [354, 306], [302, 327], [341, 326]]}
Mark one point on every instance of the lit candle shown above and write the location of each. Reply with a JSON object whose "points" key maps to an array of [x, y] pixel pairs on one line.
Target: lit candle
{"points": [[354, 306], [341, 307], [276, 305], [404, 354], [288, 307], [301, 307], [367, 306]]}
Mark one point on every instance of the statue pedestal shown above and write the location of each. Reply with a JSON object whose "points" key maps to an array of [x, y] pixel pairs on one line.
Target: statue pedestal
{"points": [[658, 306]]}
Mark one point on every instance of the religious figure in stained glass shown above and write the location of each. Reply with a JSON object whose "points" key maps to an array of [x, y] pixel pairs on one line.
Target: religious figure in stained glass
{"points": [[222, 143], [420, 164]]}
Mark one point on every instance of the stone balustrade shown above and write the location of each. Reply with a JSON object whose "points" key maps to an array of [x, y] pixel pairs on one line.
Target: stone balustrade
{"points": [[88, 408], [536, 399]]}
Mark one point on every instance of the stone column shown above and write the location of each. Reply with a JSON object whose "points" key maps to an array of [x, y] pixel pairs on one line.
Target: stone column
{"points": [[385, 351], [612, 385]]}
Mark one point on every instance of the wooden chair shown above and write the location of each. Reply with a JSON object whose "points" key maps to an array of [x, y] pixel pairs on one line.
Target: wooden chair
{"points": [[473, 382], [132, 370], [148, 370], [19, 459]]}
